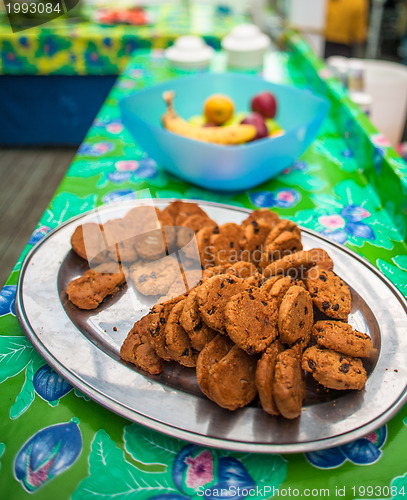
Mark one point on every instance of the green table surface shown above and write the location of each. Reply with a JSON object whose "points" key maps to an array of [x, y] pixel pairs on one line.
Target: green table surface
{"points": [[348, 185], [82, 47]]}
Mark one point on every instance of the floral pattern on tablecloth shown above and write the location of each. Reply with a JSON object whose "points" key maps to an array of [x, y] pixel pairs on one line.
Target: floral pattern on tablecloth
{"points": [[331, 189]]}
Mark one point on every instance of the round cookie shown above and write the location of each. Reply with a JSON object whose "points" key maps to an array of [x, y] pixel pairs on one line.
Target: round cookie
{"points": [[334, 370], [137, 350], [191, 225], [329, 293], [225, 244], [88, 242], [211, 354], [156, 330], [256, 280], [90, 289], [268, 284], [227, 378], [254, 235], [291, 264], [242, 269], [155, 278], [199, 333], [203, 240], [343, 338], [151, 245], [251, 320], [289, 384], [178, 343], [265, 377], [170, 233], [322, 258], [179, 210], [283, 226], [213, 295], [295, 316], [213, 271], [264, 215], [286, 243]]}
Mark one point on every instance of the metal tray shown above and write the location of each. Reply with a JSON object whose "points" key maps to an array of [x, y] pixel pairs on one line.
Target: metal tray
{"points": [[84, 348]]}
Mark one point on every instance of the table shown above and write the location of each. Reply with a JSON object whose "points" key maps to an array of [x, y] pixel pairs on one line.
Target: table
{"points": [[349, 185], [62, 71]]}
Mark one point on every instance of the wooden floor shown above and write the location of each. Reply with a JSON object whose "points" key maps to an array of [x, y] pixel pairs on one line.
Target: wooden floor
{"points": [[28, 180]]}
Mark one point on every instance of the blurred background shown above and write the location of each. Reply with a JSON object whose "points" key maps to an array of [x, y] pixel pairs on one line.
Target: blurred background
{"points": [[55, 76]]}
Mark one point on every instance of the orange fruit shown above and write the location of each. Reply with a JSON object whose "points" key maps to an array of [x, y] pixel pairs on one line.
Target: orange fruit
{"points": [[218, 109]]}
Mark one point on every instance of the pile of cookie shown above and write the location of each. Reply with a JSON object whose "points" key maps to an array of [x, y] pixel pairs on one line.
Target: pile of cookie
{"points": [[255, 313]]}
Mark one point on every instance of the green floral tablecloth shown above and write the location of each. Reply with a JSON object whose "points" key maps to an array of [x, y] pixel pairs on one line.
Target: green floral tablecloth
{"points": [[56, 443], [65, 47]]}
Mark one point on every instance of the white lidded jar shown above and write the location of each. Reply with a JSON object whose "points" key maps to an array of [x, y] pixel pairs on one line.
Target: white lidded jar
{"points": [[245, 46], [189, 52]]}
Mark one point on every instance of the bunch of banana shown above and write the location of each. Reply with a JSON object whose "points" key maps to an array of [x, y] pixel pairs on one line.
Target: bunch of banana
{"points": [[228, 135]]}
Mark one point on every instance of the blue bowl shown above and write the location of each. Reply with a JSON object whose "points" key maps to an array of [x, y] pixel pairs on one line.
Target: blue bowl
{"points": [[212, 166]]}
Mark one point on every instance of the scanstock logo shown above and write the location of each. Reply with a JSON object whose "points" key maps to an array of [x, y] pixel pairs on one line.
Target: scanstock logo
{"points": [[25, 14]]}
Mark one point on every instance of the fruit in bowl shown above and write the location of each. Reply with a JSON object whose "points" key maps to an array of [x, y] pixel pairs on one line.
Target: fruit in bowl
{"points": [[219, 123], [264, 103], [218, 109]]}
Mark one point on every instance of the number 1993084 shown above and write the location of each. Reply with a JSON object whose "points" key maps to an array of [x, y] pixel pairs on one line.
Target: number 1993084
{"points": [[33, 8]]}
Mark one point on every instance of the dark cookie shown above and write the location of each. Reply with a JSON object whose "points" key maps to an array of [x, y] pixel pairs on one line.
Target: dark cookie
{"points": [[329, 293], [225, 244], [213, 295], [157, 322], [283, 226], [295, 316], [286, 243], [295, 264], [203, 240], [88, 291], [137, 350], [214, 271], [342, 337], [289, 383], [228, 380], [268, 283], [199, 333], [254, 235], [155, 278], [251, 320], [263, 215], [242, 269], [334, 370], [179, 210], [265, 377], [178, 343], [183, 284], [191, 225], [256, 280]]}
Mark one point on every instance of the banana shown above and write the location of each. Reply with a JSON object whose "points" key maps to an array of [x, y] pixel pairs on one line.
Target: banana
{"points": [[229, 135]]}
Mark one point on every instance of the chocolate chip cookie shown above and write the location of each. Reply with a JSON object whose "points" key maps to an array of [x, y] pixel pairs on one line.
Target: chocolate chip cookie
{"points": [[213, 295], [156, 327], [286, 243], [178, 343], [242, 269], [155, 278], [225, 244], [289, 384], [334, 370], [265, 377], [88, 291], [179, 210], [263, 215], [199, 333], [137, 350], [343, 338], [251, 320], [329, 292], [295, 316], [254, 235], [88, 242], [228, 380]]}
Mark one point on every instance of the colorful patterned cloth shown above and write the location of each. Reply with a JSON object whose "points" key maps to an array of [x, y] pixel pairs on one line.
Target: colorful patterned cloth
{"points": [[55, 442], [63, 47]]}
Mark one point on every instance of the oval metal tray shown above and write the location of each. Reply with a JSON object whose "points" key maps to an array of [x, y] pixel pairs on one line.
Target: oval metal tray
{"points": [[83, 346]]}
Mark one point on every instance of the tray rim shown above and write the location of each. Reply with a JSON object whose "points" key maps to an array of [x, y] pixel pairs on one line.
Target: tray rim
{"points": [[171, 430]]}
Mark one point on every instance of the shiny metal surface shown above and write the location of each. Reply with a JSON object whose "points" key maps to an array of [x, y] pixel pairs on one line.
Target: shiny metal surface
{"points": [[84, 348]]}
